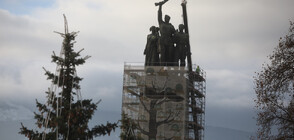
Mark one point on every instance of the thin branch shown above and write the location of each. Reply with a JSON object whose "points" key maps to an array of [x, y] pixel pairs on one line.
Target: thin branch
{"points": [[133, 93], [163, 100], [167, 120], [142, 130], [140, 99]]}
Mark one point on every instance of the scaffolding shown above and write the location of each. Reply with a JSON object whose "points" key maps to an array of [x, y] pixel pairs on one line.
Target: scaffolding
{"points": [[158, 101], [198, 89]]}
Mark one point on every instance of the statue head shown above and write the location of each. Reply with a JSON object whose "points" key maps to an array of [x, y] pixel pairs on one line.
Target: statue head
{"points": [[166, 18], [181, 27], [154, 29]]}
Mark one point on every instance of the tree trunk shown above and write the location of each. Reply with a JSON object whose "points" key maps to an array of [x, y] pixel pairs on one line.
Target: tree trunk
{"points": [[152, 121]]}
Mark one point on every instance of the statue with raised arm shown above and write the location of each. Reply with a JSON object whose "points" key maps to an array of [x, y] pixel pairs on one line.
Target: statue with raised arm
{"points": [[151, 49], [181, 40], [167, 31]]}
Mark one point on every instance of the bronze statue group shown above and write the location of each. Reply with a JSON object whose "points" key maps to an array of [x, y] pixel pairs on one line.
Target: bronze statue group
{"points": [[166, 46]]}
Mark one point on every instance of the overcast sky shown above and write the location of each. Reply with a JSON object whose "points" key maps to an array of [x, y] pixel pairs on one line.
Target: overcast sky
{"points": [[230, 39]]}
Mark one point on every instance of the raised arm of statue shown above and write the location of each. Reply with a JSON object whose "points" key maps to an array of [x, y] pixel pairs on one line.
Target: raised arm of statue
{"points": [[160, 10], [160, 14], [161, 3]]}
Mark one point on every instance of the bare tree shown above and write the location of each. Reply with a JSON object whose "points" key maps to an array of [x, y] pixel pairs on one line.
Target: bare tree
{"points": [[152, 97], [275, 94]]}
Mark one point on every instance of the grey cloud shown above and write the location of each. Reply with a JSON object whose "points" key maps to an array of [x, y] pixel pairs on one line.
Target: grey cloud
{"points": [[232, 36], [235, 118], [104, 85], [229, 89], [14, 112], [248, 29]]}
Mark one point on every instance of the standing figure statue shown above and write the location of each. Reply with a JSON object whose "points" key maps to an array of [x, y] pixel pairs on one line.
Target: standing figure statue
{"points": [[151, 49], [181, 40], [167, 31]]}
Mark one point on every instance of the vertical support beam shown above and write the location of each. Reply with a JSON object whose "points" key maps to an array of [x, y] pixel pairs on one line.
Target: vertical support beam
{"points": [[191, 81], [185, 18]]}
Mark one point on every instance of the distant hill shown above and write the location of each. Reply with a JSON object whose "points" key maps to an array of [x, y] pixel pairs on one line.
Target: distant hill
{"points": [[219, 133], [9, 129]]}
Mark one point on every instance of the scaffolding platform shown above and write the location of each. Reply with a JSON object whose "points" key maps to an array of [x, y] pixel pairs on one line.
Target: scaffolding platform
{"points": [[158, 100]]}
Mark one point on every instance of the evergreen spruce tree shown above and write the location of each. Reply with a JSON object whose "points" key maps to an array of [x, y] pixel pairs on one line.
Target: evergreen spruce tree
{"points": [[64, 116], [129, 128]]}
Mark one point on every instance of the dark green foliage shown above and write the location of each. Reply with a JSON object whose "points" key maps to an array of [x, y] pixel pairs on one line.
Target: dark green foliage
{"points": [[129, 128], [63, 115], [103, 129]]}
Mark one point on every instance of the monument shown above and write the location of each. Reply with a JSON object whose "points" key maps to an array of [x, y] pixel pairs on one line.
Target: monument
{"points": [[164, 98]]}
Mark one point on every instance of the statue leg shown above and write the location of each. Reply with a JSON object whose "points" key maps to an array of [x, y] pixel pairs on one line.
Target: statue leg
{"points": [[162, 55], [182, 58]]}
